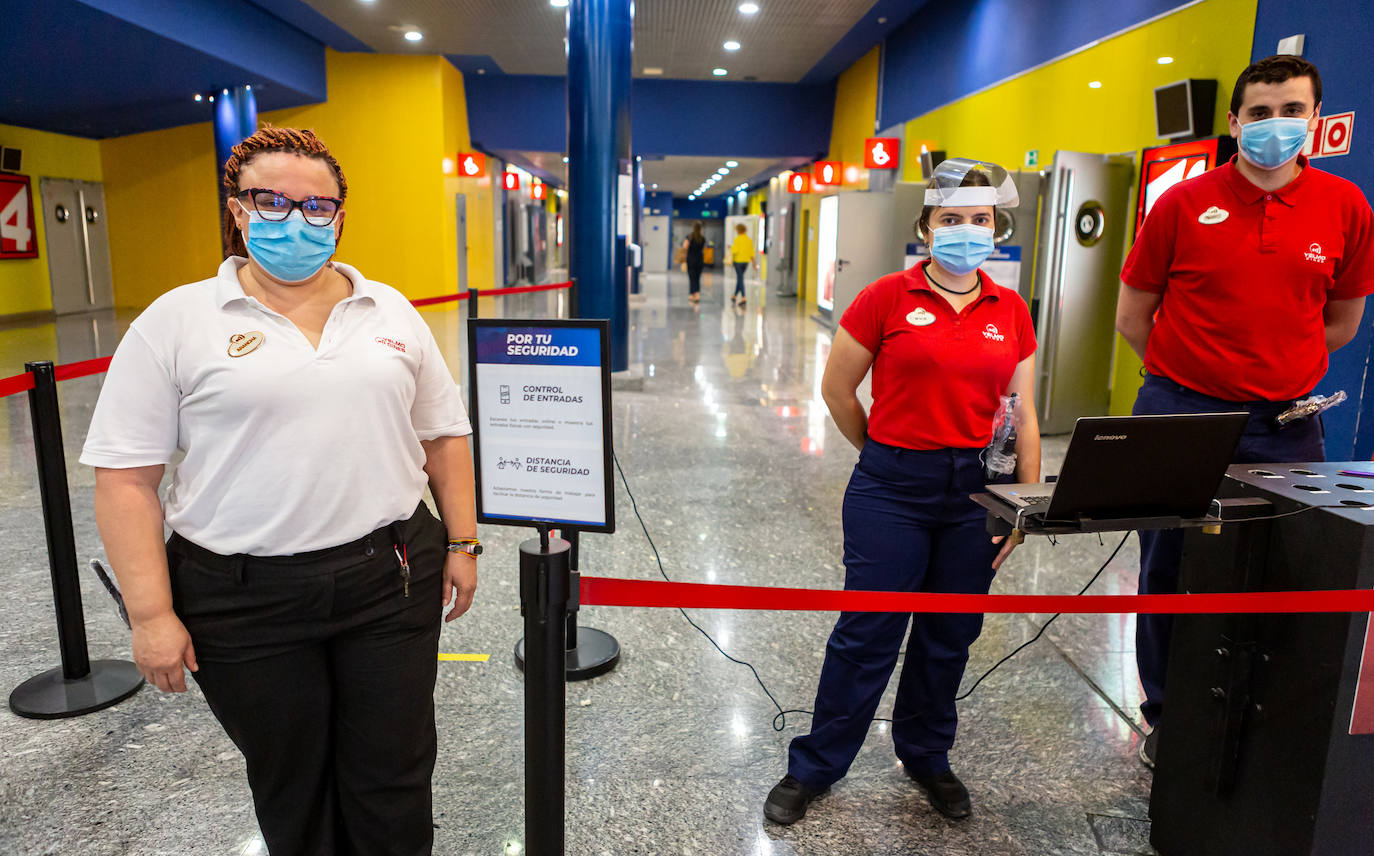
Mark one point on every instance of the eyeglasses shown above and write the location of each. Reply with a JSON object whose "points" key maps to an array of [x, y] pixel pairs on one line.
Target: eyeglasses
{"points": [[317, 210]]}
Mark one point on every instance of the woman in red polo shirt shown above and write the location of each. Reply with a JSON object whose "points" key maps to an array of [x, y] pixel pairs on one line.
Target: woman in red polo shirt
{"points": [[944, 343]]}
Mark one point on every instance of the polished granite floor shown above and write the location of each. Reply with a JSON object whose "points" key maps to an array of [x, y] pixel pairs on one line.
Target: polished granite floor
{"points": [[739, 473]]}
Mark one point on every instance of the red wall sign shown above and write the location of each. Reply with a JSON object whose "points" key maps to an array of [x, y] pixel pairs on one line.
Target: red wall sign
{"points": [[828, 173], [471, 164], [800, 182], [510, 180], [539, 191], [1332, 136], [881, 152], [17, 238]]}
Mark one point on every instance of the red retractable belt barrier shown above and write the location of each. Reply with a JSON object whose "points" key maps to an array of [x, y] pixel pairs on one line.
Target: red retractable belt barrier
{"points": [[604, 591], [490, 292]]}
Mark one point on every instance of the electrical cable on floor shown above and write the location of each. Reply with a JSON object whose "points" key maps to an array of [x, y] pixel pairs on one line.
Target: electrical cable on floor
{"points": [[780, 719]]}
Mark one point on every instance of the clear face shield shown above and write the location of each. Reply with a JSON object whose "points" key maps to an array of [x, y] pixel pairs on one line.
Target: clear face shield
{"points": [[960, 182]]}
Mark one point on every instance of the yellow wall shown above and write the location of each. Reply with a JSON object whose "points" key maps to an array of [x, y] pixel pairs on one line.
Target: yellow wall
{"points": [[1053, 108], [161, 198], [24, 285], [390, 121], [856, 109]]}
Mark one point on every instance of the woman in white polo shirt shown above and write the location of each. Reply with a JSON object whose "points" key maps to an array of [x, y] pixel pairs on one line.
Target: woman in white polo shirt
{"points": [[302, 579]]}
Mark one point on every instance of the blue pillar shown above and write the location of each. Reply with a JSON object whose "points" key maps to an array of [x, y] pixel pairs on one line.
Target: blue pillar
{"points": [[600, 45], [235, 119]]}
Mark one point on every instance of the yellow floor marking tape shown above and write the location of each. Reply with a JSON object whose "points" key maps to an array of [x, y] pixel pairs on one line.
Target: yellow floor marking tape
{"points": [[464, 658]]}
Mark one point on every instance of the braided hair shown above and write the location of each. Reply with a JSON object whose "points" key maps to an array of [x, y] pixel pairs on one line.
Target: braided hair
{"points": [[297, 141]]}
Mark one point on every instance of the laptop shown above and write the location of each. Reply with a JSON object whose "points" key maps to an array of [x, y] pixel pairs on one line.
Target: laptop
{"points": [[1120, 467]]}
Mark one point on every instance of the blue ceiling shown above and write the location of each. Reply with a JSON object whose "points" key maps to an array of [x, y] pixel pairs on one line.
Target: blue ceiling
{"points": [[72, 68]]}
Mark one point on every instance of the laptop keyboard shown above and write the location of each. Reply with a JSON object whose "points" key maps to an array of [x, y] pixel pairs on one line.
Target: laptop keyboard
{"points": [[1036, 500]]}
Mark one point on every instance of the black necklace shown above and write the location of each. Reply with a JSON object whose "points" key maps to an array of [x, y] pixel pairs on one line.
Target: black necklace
{"points": [[977, 281]]}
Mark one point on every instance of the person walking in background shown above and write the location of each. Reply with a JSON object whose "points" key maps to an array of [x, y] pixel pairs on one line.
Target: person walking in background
{"points": [[1242, 282], [743, 254], [304, 578], [695, 245]]}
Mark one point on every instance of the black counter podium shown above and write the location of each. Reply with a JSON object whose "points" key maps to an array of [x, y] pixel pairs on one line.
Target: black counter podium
{"points": [[1256, 754]]}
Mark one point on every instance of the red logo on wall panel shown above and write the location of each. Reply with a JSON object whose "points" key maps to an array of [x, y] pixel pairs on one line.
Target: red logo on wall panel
{"points": [[1332, 136], [471, 164], [828, 173], [17, 239], [800, 182], [539, 191], [881, 152], [510, 180]]}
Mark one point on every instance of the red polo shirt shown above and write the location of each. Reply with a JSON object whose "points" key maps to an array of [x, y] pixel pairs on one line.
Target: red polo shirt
{"points": [[937, 374], [1245, 276]]}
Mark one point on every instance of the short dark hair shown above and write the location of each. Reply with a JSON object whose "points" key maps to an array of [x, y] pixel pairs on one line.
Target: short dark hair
{"points": [[1275, 69], [973, 178]]}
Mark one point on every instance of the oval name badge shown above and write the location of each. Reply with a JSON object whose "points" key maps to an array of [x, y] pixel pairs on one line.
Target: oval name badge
{"points": [[1213, 216], [919, 317], [245, 343]]}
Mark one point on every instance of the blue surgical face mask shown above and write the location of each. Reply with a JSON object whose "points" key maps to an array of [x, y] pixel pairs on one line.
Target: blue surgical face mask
{"points": [[961, 249], [1271, 143], [290, 250]]}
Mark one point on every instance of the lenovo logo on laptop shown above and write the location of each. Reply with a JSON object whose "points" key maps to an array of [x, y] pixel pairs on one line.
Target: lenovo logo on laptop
{"points": [[1110, 437]]}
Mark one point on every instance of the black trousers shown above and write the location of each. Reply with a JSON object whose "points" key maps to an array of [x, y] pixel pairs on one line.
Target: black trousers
{"points": [[322, 671]]}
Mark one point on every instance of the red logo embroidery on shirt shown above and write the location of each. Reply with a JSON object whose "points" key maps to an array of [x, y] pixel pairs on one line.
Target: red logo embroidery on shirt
{"points": [[391, 343], [991, 332], [1314, 254]]}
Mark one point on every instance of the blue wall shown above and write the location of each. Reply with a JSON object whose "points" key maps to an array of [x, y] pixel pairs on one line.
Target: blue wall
{"points": [[952, 48], [670, 117], [658, 202], [1339, 38], [699, 209]]}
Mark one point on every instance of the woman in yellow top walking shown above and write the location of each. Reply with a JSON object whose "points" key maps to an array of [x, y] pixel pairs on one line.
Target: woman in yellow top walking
{"points": [[742, 252]]}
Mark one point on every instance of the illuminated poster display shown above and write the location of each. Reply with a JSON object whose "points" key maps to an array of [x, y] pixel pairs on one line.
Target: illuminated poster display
{"points": [[826, 252]]}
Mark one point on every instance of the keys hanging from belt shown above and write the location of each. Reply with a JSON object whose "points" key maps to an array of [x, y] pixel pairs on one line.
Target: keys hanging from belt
{"points": [[403, 556]]}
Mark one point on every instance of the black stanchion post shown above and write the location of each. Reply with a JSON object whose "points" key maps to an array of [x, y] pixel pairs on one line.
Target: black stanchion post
{"points": [[544, 586], [472, 303], [79, 686], [590, 652], [573, 308]]}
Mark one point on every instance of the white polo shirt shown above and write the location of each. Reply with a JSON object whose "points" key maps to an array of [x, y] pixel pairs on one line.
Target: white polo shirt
{"points": [[287, 448]]}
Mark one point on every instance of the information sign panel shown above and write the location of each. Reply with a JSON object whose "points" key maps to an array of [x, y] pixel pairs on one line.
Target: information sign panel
{"points": [[540, 404]]}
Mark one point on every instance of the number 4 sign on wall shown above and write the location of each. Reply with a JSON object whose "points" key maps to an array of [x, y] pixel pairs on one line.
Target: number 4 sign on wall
{"points": [[16, 218]]}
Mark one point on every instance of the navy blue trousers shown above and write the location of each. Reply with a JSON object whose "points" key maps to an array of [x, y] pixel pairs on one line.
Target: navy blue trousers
{"points": [[1162, 551], [909, 525], [740, 268]]}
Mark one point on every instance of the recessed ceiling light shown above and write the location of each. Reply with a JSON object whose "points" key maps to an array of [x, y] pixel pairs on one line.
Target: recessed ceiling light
{"points": [[199, 97], [731, 45], [565, 158], [653, 71], [558, 3], [748, 8], [414, 35], [1165, 60], [655, 187], [1094, 84], [732, 164], [719, 72]]}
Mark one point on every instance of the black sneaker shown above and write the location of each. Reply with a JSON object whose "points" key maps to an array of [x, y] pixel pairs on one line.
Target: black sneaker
{"points": [[787, 802], [1149, 747], [947, 794]]}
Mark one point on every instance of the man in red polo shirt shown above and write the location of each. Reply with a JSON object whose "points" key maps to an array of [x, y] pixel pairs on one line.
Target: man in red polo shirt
{"points": [[1241, 283]]}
